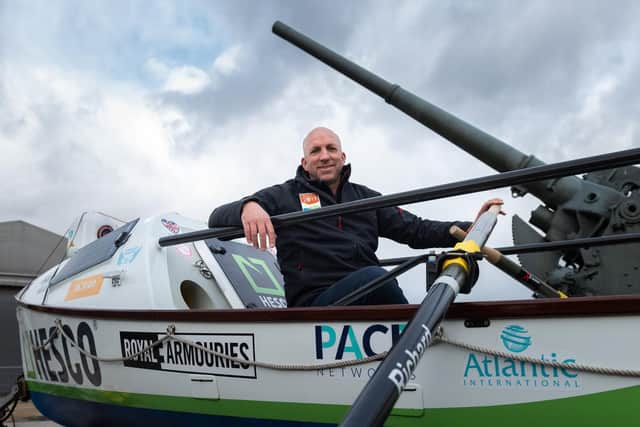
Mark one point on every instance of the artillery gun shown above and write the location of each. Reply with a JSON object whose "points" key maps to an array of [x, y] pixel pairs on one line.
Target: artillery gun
{"points": [[601, 203]]}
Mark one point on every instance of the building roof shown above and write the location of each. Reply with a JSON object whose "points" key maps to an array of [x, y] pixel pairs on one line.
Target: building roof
{"points": [[27, 250]]}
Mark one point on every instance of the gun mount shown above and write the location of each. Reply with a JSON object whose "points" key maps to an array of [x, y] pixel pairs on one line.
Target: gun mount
{"points": [[601, 203]]}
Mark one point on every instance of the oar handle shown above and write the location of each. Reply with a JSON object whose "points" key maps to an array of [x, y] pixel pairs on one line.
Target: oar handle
{"points": [[492, 255], [512, 269]]}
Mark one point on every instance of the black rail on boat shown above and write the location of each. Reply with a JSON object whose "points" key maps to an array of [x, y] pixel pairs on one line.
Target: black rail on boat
{"points": [[408, 264], [616, 239], [474, 185], [619, 305]]}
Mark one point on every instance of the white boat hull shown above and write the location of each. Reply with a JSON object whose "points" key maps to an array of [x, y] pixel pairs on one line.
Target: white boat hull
{"points": [[451, 386]]}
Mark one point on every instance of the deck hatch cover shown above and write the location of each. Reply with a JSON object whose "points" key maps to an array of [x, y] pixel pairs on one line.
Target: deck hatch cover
{"points": [[253, 273], [95, 252]]}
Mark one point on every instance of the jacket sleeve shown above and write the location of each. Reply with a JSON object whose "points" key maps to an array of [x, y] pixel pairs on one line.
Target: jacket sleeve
{"points": [[228, 215], [404, 227]]}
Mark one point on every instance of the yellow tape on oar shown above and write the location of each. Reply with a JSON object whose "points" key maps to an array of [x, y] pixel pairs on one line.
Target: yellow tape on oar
{"points": [[468, 246]]}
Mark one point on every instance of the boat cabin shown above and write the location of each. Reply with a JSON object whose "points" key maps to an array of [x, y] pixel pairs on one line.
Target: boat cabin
{"points": [[126, 268]]}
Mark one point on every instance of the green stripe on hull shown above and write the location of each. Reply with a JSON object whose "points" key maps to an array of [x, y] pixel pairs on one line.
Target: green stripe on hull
{"points": [[612, 408], [616, 408]]}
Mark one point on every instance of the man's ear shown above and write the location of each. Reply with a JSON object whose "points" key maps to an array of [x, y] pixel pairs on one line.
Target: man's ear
{"points": [[303, 162]]}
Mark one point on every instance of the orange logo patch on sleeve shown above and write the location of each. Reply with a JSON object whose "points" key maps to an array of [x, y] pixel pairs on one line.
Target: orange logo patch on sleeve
{"points": [[309, 201], [84, 287]]}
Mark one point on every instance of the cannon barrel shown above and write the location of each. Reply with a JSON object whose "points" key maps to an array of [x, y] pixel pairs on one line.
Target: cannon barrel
{"points": [[487, 148], [604, 202]]}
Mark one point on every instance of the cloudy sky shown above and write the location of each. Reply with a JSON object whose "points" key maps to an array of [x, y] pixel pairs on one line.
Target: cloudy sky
{"points": [[135, 108]]}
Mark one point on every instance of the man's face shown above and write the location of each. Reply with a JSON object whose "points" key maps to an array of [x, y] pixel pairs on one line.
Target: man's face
{"points": [[323, 156]]}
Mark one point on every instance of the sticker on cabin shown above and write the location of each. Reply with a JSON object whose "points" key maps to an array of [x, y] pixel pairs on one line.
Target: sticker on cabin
{"points": [[189, 356], [104, 230], [309, 201], [87, 286], [255, 275], [170, 225], [184, 250], [128, 255]]}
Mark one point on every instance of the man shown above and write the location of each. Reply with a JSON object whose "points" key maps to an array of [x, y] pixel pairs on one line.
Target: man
{"points": [[326, 259]]}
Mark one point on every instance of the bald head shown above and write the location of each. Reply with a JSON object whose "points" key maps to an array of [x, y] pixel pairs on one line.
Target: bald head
{"points": [[323, 156], [320, 133]]}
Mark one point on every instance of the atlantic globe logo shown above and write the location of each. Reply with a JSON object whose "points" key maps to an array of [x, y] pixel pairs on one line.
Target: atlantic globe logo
{"points": [[506, 371], [515, 338]]}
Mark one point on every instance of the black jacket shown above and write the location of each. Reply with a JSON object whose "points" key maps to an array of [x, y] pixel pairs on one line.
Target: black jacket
{"points": [[315, 254]]}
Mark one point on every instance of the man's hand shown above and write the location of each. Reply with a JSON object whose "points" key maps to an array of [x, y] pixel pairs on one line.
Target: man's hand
{"points": [[257, 226]]}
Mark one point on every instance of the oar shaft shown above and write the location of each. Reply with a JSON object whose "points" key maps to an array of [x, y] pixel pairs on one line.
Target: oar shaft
{"points": [[512, 269], [375, 402], [373, 405]]}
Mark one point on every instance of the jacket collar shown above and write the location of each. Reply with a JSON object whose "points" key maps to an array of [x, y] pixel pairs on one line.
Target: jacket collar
{"points": [[303, 177]]}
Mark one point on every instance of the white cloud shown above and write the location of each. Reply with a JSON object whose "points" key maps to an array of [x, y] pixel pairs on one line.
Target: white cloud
{"points": [[158, 69], [229, 60], [174, 121], [96, 145], [187, 79]]}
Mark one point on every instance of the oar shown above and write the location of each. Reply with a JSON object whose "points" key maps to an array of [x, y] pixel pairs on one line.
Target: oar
{"points": [[377, 398], [467, 186], [512, 269]]}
